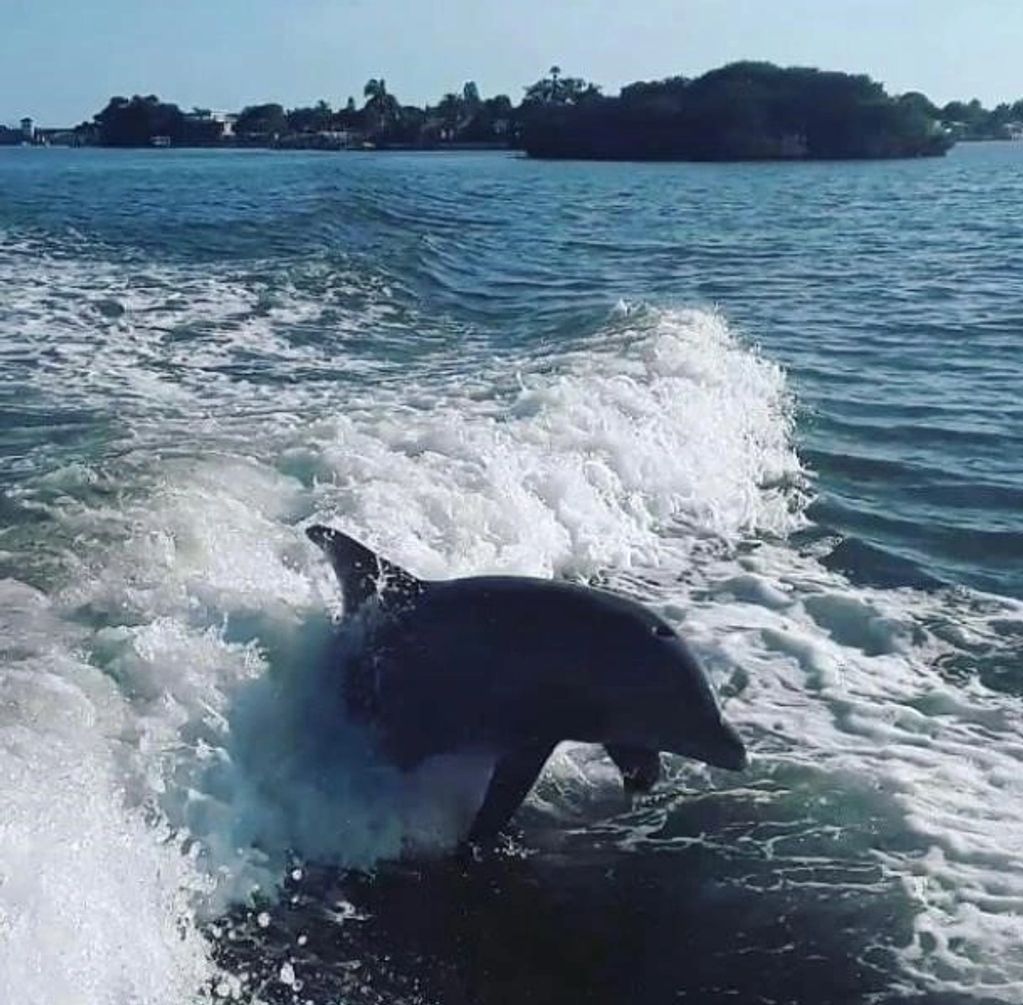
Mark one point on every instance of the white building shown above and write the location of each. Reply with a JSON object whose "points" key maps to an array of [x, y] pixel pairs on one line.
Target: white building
{"points": [[227, 121]]}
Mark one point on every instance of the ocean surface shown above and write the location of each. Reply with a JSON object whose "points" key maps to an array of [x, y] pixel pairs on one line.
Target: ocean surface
{"points": [[781, 404]]}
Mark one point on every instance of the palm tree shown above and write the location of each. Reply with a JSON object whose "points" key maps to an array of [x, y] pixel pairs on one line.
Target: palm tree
{"points": [[555, 89], [554, 93], [450, 111], [382, 108], [375, 89]]}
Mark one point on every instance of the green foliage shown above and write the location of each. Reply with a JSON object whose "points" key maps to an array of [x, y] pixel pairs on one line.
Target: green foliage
{"points": [[375, 89], [382, 112], [139, 121], [746, 110], [555, 89], [920, 104], [970, 120], [265, 121], [310, 120]]}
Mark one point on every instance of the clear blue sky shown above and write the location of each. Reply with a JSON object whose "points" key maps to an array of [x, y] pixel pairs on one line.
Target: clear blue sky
{"points": [[62, 59]]}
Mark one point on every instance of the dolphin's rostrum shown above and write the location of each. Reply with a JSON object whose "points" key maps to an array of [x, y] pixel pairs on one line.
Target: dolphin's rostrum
{"points": [[511, 666]]}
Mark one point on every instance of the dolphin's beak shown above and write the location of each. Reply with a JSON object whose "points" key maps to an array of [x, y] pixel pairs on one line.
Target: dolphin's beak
{"points": [[720, 746], [726, 750]]}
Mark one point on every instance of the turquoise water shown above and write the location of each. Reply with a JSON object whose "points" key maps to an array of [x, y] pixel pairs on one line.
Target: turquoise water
{"points": [[779, 402]]}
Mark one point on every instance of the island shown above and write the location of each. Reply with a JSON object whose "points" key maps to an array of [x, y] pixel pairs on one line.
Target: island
{"points": [[742, 111]]}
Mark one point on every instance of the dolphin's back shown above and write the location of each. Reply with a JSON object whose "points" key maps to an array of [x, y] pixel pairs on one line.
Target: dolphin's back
{"points": [[487, 661]]}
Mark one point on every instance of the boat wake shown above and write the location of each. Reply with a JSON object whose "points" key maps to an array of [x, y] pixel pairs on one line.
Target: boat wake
{"points": [[181, 787]]}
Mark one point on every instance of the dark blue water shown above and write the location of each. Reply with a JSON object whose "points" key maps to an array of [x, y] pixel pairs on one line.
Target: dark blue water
{"points": [[781, 402]]}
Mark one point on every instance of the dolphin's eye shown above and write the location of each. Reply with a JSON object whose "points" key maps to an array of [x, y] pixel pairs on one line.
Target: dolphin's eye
{"points": [[663, 632]]}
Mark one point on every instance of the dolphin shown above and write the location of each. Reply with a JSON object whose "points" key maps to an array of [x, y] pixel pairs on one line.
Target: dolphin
{"points": [[511, 666]]}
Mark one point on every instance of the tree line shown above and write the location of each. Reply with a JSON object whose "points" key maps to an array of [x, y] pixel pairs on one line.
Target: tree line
{"points": [[382, 120], [743, 111], [747, 110], [970, 120]]}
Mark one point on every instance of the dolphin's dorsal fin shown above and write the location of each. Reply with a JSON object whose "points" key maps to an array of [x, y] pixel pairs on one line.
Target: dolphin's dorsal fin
{"points": [[362, 573]]}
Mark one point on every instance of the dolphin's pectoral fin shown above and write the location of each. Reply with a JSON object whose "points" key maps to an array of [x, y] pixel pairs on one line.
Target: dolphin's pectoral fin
{"points": [[361, 572], [640, 767], [513, 777]]}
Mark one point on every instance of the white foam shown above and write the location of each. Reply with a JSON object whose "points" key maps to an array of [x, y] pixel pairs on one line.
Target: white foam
{"points": [[94, 903], [844, 681]]}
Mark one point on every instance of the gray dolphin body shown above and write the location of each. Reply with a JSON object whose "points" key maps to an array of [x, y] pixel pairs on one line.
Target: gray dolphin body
{"points": [[512, 666]]}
